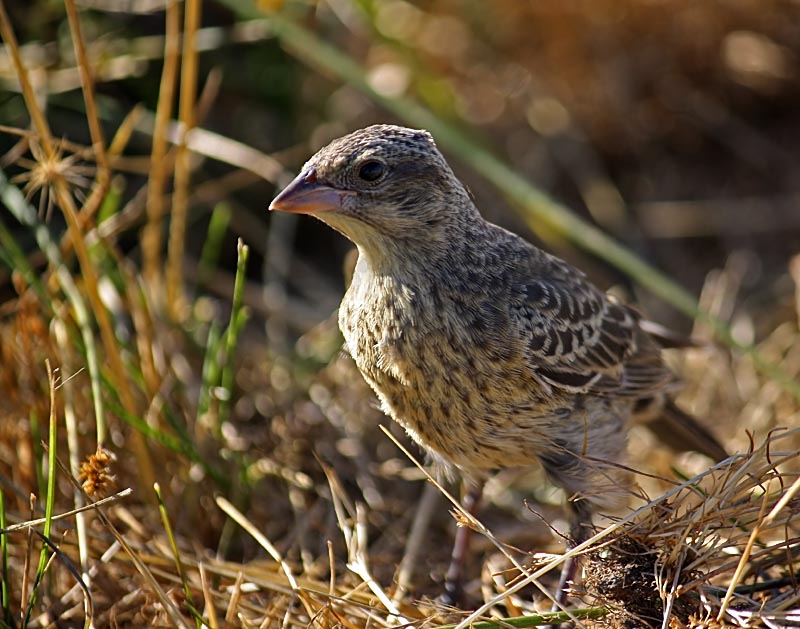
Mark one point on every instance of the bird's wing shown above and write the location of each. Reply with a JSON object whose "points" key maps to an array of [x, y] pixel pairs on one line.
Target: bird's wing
{"points": [[579, 339]]}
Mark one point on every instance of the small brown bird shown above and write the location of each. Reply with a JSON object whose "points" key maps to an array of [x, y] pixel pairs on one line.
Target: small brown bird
{"points": [[490, 352]]}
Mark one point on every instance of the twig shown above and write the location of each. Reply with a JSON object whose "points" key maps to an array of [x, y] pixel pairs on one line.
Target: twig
{"points": [[151, 236], [103, 179], [180, 197]]}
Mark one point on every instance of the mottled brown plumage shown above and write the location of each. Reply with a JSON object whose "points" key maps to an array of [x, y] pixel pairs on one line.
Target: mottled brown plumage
{"points": [[490, 352]]}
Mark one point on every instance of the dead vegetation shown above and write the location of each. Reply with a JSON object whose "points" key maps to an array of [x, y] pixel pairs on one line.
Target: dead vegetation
{"points": [[280, 502], [721, 550]]}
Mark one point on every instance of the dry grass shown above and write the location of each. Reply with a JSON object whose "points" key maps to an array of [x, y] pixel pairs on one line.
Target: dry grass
{"points": [[279, 501], [720, 550]]}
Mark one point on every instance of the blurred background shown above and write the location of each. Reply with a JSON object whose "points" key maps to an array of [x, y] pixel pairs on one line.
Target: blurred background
{"points": [[672, 126]]}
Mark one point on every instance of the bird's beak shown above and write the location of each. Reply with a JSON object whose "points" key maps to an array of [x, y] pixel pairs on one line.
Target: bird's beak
{"points": [[306, 195]]}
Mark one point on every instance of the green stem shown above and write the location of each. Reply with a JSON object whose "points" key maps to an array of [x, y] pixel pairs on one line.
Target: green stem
{"points": [[239, 315], [537, 620], [176, 555], [51, 492]]}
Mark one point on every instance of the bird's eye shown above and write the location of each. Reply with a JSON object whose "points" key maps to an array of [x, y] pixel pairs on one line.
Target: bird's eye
{"points": [[371, 171]]}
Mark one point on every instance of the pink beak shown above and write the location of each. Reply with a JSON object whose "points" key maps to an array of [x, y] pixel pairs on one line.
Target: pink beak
{"points": [[305, 195]]}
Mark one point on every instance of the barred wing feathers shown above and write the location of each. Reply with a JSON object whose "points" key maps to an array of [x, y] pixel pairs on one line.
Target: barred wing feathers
{"points": [[581, 340]]}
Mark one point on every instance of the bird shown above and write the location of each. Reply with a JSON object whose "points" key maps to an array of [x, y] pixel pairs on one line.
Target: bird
{"points": [[490, 352]]}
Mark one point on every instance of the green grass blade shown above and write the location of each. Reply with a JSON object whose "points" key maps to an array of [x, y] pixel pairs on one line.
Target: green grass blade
{"points": [[239, 315], [14, 257], [209, 378], [217, 228], [187, 590], [538, 620], [51, 492]]}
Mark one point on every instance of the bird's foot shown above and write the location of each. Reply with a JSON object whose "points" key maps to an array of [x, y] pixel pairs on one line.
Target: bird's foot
{"points": [[453, 594]]}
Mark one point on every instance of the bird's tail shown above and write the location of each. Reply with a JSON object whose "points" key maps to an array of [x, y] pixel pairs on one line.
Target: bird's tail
{"points": [[682, 432]]}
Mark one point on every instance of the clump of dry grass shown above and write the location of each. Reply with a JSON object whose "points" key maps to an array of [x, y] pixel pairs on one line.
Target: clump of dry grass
{"points": [[720, 550]]}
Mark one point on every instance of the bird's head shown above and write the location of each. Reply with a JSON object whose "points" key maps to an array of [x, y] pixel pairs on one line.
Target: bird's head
{"points": [[383, 187]]}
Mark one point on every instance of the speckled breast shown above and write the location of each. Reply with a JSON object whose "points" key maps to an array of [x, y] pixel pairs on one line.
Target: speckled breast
{"points": [[459, 394]]}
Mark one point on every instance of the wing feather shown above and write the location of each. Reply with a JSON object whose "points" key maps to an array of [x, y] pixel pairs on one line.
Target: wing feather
{"points": [[581, 340]]}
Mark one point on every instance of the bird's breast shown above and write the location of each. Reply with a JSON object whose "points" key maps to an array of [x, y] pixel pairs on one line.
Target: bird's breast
{"points": [[441, 370], [376, 318]]}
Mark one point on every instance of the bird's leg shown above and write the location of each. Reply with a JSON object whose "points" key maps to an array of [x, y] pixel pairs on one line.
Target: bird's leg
{"points": [[579, 532], [453, 581]]}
